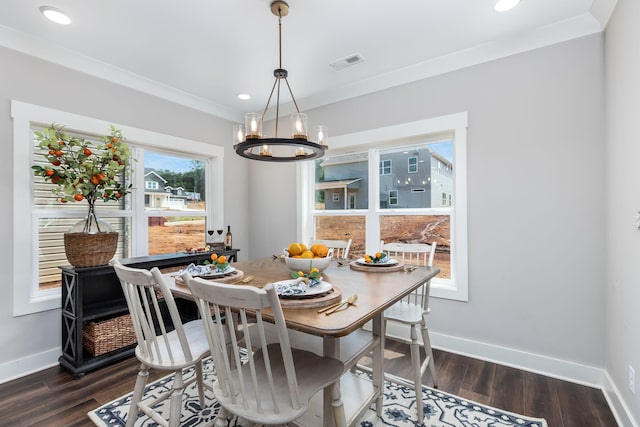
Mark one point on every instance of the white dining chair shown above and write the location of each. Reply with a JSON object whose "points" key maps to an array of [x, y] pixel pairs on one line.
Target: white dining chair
{"points": [[340, 247], [184, 346], [412, 311], [274, 383]]}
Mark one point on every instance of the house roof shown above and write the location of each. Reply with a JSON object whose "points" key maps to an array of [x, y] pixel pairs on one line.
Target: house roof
{"points": [[326, 185]]}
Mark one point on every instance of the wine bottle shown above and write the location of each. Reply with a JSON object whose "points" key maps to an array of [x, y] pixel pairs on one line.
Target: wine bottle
{"points": [[228, 238]]}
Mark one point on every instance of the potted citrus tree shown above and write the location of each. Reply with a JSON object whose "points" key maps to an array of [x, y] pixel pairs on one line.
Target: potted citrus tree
{"points": [[85, 172]]}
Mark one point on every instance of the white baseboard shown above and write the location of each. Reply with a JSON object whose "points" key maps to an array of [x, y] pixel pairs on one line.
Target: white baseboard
{"points": [[618, 406], [28, 365], [568, 371]]}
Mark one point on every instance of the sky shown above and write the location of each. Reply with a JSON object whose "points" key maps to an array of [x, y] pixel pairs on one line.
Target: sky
{"points": [[163, 161]]}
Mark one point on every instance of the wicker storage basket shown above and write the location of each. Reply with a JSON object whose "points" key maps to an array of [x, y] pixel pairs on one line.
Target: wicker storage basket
{"points": [[90, 249], [108, 335]]}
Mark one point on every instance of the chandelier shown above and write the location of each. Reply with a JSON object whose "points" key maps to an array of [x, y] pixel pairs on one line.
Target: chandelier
{"points": [[248, 139]]}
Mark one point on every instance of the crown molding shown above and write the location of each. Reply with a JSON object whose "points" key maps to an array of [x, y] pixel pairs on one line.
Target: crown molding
{"points": [[50, 52], [579, 26]]}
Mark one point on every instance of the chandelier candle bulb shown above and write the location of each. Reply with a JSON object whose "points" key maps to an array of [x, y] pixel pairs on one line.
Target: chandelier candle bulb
{"points": [[238, 134], [321, 134], [253, 125], [299, 122]]}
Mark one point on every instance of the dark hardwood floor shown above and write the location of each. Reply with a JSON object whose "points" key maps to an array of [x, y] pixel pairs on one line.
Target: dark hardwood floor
{"points": [[53, 397]]}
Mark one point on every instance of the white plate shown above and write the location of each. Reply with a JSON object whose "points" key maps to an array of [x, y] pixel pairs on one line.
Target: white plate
{"points": [[387, 263], [320, 288], [228, 271]]}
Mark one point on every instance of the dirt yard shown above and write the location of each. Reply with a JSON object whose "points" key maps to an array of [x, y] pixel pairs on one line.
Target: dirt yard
{"points": [[175, 238]]}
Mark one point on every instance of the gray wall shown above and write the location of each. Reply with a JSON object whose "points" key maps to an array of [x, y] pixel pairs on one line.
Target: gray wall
{"points": [[623, 199], [30, 80], [536, 249]]}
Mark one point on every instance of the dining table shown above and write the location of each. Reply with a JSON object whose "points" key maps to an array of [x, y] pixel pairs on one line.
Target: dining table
{"points": [[350, 333]]}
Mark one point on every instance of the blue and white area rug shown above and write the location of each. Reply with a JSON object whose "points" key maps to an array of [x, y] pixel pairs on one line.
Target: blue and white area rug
{"points": [[441, 409]]}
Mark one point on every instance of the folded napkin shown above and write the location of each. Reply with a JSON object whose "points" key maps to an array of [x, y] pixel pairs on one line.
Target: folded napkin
{"points": [[197, 270], [290, 288]]}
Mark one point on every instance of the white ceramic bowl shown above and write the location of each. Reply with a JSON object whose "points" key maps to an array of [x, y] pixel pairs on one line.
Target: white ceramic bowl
{"points": [[306, 264]]}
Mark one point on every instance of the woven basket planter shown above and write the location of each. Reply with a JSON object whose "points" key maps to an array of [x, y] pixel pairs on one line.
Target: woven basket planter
{"points": [[108, 335], [90, 249]]}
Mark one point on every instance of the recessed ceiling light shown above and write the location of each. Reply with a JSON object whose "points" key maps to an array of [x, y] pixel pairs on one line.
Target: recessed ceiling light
{"points": [[55, 15], [504, 5], [244, 96]]}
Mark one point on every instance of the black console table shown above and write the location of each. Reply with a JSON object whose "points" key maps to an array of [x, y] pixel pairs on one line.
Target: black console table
{"points": [[94, 293]]}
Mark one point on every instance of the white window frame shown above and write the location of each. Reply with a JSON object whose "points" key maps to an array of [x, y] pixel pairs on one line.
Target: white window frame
{"points": [[151, 185], [335, 197], [383, 168], [394, 197], [27, 297], [456, 288], [415, 165]]}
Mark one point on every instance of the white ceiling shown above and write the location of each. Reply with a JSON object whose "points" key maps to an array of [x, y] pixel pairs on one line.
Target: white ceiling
{"points": [[202, 53]]}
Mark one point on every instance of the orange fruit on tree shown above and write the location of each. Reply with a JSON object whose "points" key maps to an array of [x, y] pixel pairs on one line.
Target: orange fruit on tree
{"points": [[214, 257], [222, 259], [78, 197], [295, 249]]}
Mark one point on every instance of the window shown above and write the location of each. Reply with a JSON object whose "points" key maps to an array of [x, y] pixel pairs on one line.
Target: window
{"points": [[335, 197], [385, 167], [37, 248], [151, 185], [393, 197], [398, 206], [412, 165]]}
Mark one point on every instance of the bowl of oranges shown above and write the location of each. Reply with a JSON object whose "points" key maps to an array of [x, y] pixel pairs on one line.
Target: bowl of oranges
{"points": [[299, 257]]}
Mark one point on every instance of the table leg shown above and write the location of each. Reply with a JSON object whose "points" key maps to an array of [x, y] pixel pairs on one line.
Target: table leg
{"points": [[333, 406], [378, 361]]}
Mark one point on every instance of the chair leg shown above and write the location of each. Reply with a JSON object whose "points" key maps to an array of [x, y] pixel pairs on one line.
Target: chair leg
{"points": [[138, 390], [338, 405], [429, 352], [221, 418], [175, 404], [415, 368], [200, 381]]}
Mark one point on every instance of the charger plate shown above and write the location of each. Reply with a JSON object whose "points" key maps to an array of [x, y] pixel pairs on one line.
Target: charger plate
{"points": [[232, 277], [335, 295], [376, 268]]}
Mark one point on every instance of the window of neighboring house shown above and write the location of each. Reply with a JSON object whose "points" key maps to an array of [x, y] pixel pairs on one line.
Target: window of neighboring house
{"points": [[352, 201], [151, 185], [39, 250], [385, 167], [412, 163], [335, 197], [426, 213], [393, 197]]}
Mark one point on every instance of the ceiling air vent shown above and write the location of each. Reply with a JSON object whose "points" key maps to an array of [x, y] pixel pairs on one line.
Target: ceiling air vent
{"points": [[346, 62]]}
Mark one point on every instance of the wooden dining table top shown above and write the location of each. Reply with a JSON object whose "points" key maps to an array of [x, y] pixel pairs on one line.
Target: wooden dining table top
{"points": [[376, 291]]}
